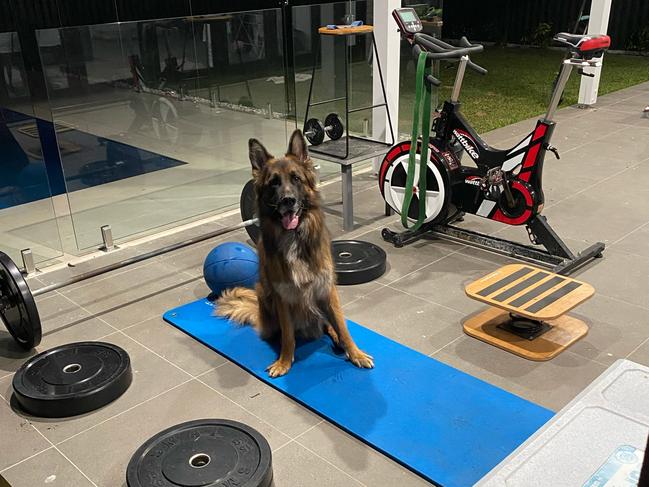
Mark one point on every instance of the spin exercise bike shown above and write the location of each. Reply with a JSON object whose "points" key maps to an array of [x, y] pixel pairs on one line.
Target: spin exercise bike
{"points": [[430, 188]]}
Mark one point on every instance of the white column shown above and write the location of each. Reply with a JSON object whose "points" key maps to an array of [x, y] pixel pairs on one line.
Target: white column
{"points": [[388, 46], [597, 24]]}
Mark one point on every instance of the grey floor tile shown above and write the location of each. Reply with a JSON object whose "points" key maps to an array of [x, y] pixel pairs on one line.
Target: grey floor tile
{"points": [[574, 173], [12, 355], [618, 96], [104, 451], [151, 376], [551, 384], [612, 119], [411, 321], [571, 135], [634, 242], [191, 259], [295, 466], [633, 104], [20, 440], [443, 281], [152, 305], [99, 295], [362, 462], [90, 264], [48, 468], [627, 146], [518, 234], [518, 129], [494, 258], [191, 232], [615, 329], [594, 215], [348, 294], [640, 354], [402, 261], [62, 322], [137, 295], [622, 276], [175, 346], [369, 212], [626, 192], [261, 400]]}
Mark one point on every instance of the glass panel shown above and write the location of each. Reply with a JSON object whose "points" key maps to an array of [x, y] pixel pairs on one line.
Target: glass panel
{"points": [[327, 53], [27, 217], [430, 13], [153, 117]]}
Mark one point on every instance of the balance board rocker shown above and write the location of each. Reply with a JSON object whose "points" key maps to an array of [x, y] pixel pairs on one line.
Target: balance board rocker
{"points": [[527, 311]]}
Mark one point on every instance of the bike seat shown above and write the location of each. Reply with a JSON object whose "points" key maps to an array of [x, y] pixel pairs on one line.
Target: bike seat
{"points": [[585, 46]]}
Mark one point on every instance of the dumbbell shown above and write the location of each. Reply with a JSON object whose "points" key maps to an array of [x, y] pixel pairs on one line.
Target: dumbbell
{"points": [[314, 131]]}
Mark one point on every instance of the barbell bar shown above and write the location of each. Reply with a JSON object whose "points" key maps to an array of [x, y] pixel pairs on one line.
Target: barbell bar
{"points": [[18, 309]]}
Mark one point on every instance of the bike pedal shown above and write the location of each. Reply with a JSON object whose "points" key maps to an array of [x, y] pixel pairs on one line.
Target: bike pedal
{"points": [[532, 237]]}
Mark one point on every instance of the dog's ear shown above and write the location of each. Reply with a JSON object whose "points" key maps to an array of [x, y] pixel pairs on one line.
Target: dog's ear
{"points": [[258, 155], [297, 146]]}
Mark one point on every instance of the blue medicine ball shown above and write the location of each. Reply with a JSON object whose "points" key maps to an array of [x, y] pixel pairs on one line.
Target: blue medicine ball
{"points": [[229, 265]]}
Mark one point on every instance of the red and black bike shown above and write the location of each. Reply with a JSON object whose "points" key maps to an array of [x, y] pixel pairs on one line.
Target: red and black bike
{"points": [[502, 185]]}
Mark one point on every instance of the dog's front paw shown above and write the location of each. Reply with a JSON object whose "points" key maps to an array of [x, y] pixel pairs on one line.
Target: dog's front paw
{"points": [[361, 359], [278, 368]]}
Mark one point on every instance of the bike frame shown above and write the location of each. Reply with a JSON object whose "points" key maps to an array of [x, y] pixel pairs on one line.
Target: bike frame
{"points": [[523, 162], [523, 165]]}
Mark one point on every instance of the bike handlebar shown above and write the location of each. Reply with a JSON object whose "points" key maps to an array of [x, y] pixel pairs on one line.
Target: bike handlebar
{"points": [[437, 49], [431, 79]]}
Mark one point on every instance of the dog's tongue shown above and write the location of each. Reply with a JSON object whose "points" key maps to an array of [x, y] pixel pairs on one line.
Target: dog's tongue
{"points": [[290, 221]]}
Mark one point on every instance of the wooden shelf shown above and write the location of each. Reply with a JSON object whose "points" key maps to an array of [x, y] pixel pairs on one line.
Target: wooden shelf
{"points": [[346, 31]]}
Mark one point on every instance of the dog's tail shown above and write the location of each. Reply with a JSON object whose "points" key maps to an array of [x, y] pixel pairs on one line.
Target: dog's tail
{"points": [[240, 305]]}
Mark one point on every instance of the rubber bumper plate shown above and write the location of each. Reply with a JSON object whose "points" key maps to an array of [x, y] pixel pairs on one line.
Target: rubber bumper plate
{"points": [[206, 452], [72, 379], [357, 261], [248, 209], [18, 310]]}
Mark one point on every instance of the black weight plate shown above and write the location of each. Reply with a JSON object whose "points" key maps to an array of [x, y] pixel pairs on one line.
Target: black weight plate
{"points": [[72, 379], [357, 261], [18, 310], [314, 131], [248, 209], [334, 126], [205, 452]]}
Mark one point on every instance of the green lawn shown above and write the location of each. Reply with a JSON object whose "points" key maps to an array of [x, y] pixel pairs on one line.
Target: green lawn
{"points": [[518, 84], [517, 87]]}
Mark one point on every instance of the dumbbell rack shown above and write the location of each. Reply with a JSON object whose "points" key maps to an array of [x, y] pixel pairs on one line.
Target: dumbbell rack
{"points": [[349, 146], [349, 149]]}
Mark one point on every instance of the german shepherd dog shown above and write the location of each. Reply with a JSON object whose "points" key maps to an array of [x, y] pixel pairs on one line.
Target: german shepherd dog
{"points": [[296, 294]]}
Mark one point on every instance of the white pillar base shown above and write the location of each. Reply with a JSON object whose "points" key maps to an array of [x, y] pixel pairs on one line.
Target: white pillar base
{"points": [[597, 24]]}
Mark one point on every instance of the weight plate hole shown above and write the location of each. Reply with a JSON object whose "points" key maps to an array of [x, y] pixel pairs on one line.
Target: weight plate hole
{"points": [[199, 460], [72, 368], [345, 254]]}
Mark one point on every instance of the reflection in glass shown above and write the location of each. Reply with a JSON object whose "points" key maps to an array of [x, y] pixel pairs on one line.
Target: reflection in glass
{"points": [[329, 71], [13, 82], [27, 218], [152, 118]]}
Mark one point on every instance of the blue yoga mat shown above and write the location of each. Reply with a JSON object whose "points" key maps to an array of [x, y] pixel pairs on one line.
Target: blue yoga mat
{"points": [[441, 423]]}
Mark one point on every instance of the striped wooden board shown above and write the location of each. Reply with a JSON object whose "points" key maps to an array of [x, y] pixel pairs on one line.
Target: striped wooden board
{"points": [[529, 291]]}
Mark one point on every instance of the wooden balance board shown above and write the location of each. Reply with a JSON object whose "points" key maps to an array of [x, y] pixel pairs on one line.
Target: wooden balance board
{"points": [[520, 294]]}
